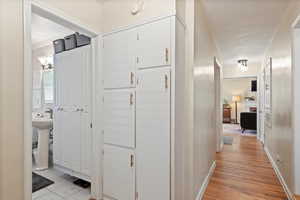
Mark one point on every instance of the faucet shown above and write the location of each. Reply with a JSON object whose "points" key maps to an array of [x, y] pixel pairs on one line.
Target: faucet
{"points": [[50, 111]]}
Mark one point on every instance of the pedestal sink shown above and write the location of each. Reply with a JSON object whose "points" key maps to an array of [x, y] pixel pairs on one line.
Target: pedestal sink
{"points": [[43, 126]]}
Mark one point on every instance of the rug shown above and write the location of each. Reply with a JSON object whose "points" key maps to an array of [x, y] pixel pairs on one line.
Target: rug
{"points": [[39, 182], [228, 140], [236, 129]]}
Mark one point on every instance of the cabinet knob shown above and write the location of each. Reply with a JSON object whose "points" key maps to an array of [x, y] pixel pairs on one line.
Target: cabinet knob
{"points": [[131, 78], [166, 82], [167, 55], [131, 99]]}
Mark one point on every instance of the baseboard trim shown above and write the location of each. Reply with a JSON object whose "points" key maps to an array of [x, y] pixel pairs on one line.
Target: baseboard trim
{"points": [[279, 175], [206, 181]]}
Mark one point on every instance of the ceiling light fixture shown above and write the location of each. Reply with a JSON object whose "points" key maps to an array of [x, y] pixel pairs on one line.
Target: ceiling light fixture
{"points": [[243, 65]]}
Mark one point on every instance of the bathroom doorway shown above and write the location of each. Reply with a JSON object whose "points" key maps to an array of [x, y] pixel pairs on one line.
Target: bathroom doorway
{"points": [[58, 164]]}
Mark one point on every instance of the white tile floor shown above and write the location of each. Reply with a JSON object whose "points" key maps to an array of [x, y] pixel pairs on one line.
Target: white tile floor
{"points": [[62, 189]]}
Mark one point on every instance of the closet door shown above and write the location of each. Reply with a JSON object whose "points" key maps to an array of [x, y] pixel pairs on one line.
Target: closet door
{"points": [[58, 137], [71, 139], [86, 144], [119, 59], [119, 173], [154, 44], [119, 120], [85, 108], [153, 134]]}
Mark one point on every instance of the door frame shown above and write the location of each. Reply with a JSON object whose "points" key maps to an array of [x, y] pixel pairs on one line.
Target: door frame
{"points": [[34, 6], [218, 76], [257, 98]]}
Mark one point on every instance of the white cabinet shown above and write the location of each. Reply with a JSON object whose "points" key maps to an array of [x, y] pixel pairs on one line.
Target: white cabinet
{"points": [[154, 44], [119, 59], [119, 117], [72, 113], [153, 136], [119, 173], [148, 118]]}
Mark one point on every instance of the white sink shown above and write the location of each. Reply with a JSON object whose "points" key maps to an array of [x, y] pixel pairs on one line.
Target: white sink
{"points": [[42, 123]]}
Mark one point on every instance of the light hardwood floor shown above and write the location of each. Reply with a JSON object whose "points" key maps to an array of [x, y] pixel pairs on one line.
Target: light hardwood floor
{"points": [[244, 172]]}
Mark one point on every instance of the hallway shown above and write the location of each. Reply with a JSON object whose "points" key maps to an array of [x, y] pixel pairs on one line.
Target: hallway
{"points": [[244, 172]]}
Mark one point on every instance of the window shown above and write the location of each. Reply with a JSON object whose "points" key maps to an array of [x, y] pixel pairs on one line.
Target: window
{"points": [[48, 86]]}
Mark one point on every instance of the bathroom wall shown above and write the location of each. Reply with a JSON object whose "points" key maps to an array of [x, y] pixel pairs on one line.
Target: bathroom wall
{"points": [[45, 51], [204, 99], [279, 140], [11, 100], [87, 12], [242, 88], [117, 13]]}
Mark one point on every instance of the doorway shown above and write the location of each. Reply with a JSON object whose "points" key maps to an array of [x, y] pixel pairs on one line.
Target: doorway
{"points": [[40, 84], [240, 102]]}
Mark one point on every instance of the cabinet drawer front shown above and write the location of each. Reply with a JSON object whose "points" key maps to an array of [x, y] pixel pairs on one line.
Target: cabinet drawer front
{"points": [[119, 117], [119, 60], [154, 44], [119, 173]]}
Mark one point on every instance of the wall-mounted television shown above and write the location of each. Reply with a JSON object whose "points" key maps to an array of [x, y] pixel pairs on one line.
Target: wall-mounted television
{"points": [[254, 85]]}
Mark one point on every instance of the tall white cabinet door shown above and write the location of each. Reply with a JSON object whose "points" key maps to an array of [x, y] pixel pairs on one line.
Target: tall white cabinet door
{"points": [[71, 140], [154, 44], [86, 144], [153, 134], [119, 59], [119, 117], [119, 173], [58, 137], [68, 69]]}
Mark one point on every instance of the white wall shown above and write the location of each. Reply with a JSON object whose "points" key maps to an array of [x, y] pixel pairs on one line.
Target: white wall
{"points": [[280, 139], [45, 51], [296, 103], [11, 100], [234, 71], [204, 99], [117, 13], [242, 88], [87, 12]]}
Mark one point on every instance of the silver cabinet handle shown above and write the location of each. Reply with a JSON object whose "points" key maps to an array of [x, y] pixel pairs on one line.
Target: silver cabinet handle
{"points": [[131, 99], [131, 78]]}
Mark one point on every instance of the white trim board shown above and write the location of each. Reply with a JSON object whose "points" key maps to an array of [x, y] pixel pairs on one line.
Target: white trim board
{"points": [[206, 181], [141, 23], [288, 192]]}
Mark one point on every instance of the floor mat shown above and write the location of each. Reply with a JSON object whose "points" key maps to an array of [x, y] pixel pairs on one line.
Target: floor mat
{"points": [[228, 140], [39, 182]]}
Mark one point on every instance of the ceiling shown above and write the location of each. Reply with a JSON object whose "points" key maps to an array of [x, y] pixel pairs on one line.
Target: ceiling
{"points": [[243, 28], [44, 31]]}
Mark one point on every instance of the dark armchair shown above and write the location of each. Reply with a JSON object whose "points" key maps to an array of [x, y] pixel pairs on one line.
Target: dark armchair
{"points": [[248, 121]]}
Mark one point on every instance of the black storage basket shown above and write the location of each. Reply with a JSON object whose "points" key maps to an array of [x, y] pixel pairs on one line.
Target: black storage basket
{"points": [[82, 40], [70, 42], [59, 46]]}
